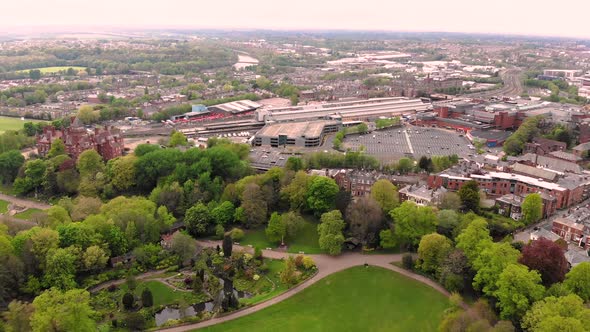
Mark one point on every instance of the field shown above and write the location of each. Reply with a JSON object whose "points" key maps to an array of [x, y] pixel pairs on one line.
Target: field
{"points": [[164, 295], [3, 206], [9, 123], [27, 214], [306, 239], [357, 299], [51, 70]]}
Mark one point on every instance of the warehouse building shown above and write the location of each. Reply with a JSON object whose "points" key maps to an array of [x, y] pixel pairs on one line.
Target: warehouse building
{"points": [[300, 134], [362, 110]]}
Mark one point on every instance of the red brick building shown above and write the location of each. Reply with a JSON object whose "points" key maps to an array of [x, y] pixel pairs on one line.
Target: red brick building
{"points": [[108, 142]]}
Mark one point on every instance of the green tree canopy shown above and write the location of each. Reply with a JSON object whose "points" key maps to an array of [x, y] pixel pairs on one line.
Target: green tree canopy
{"points": [[330, 232], [433, 249], [412, 222], [518, 289], [577, 280], [321, 194], [532, 208], [566, 314], [469, 195], [385, 193], [59, 311]]}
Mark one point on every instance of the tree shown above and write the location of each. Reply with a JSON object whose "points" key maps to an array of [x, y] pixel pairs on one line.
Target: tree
{"points": [[34, 74], [412, 222], [518, 289], [63, 311], [448, 220], [296, 191], [60, 269], [490, 264], [404, 165], [57, 148], [87, 115], [387, 239], [294, 164], [577, 280], [147, 299], [42, 241], [197, 220], [288, 275], [474, 238], [227, 245], [56, 215], [128, 301], [425, 163], [184, 246], [362, 128], [135, 321], [454, 271], [276, 229], [321, 194], [365, 220], [223, 213], [385, 194], [433, 249], [450, 201], [469, 195], [18, 316], [532, 208], [546, 257], [330, 232], [177, 139], [121, 172], [567, 314], [10, 162], [254, 205], [95, 258]]}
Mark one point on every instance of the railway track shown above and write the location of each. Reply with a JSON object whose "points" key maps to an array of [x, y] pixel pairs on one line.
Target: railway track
{"points": [[512, 79]]}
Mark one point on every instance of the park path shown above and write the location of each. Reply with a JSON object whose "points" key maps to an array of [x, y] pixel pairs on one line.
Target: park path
{"points": [[24, 202], [326, 265]]}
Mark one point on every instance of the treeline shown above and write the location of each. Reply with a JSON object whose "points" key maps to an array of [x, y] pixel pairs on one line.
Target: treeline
{"points": [[529, 129], [28, 95], [165, 57]]}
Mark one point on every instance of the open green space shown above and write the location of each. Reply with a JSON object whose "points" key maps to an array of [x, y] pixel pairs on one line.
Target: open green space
{"points": [[306, 239], [10, 123], [164, 295], [3, 206], [357, 299], [274, 283], [51, 70], [27, 214]]}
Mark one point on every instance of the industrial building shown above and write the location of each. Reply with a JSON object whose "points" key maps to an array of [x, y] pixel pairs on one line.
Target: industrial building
{"points": [[300, 134], [362, 110]]}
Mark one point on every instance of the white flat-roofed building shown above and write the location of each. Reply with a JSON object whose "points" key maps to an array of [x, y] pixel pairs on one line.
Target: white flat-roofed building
{"points": [[300, 134]]}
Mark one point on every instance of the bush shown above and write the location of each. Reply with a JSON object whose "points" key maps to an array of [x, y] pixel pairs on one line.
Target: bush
{"points": [[308, 263], [147, 299], [258, 254], [408, 261], [298, 261], [128, 301], [219, 231], [135, 321], [112, 288], [236, 234]]}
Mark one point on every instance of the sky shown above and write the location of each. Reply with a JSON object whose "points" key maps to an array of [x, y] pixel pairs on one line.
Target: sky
{"points": [[526, 17]]}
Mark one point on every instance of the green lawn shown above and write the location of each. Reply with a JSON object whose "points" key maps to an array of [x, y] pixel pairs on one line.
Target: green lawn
{"points": [[51, 70], [357, 299], [3, 206], [10, 123], [306, 239], [27, 214], [274, 267], [164, 295]]}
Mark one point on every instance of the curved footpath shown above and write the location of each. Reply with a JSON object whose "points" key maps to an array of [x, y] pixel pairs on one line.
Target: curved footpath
{"points": [[326, 265]]}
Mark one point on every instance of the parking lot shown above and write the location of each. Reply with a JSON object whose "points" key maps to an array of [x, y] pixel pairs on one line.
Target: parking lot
{"points": [[410, 141]]}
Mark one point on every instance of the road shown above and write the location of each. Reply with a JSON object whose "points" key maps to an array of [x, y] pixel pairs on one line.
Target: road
{"points": [[24, 202], [326, 265], [512, 85]]}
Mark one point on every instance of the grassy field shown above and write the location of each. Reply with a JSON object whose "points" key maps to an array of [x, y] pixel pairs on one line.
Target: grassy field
{"points": [[9, 123], [357, 299], [3, 206], [27, 214], [51, 70], [164, 295], [306, 239]]}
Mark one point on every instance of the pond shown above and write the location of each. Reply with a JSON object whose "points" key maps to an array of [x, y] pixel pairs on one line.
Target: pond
{"points": [[245, 61]]}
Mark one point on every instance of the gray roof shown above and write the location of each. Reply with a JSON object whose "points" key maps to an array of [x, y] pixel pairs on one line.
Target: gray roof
{"points": [[535, 172], [582, 147], [565, 156], [552, 163], [575, 257]]}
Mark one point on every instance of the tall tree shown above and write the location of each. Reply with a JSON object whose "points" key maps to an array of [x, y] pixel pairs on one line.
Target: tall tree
{"points": [[365, 219], [147, 299], [474, 238], [57, 148], [18, 316], [518, 289], [450, 201], [276, 229], [412, 222], [10, 162], [254, 206], [63, 311], [532, 208], [228, 245], [433, 249], [469, 195], [567, 314], [330, 232], [490, 264], [197, 220], [546, 257], [321, 194], [184, 246], [61, 269], [177, 139], [385, 193], [577, 280]]}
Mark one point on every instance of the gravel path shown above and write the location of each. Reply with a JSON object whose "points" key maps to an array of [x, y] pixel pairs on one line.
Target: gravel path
{"points": [[326, 265], [24, 202]]}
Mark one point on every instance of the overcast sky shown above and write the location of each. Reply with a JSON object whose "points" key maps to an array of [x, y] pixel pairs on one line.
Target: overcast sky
{"points": [[537, 17]]}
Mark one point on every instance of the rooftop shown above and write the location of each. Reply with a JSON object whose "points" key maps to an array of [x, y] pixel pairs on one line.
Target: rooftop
{"points": [[295, 129]]}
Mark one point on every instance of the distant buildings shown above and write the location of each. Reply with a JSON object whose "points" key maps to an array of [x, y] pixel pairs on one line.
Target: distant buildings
{"points": [[108, 142], [422, 195]]}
